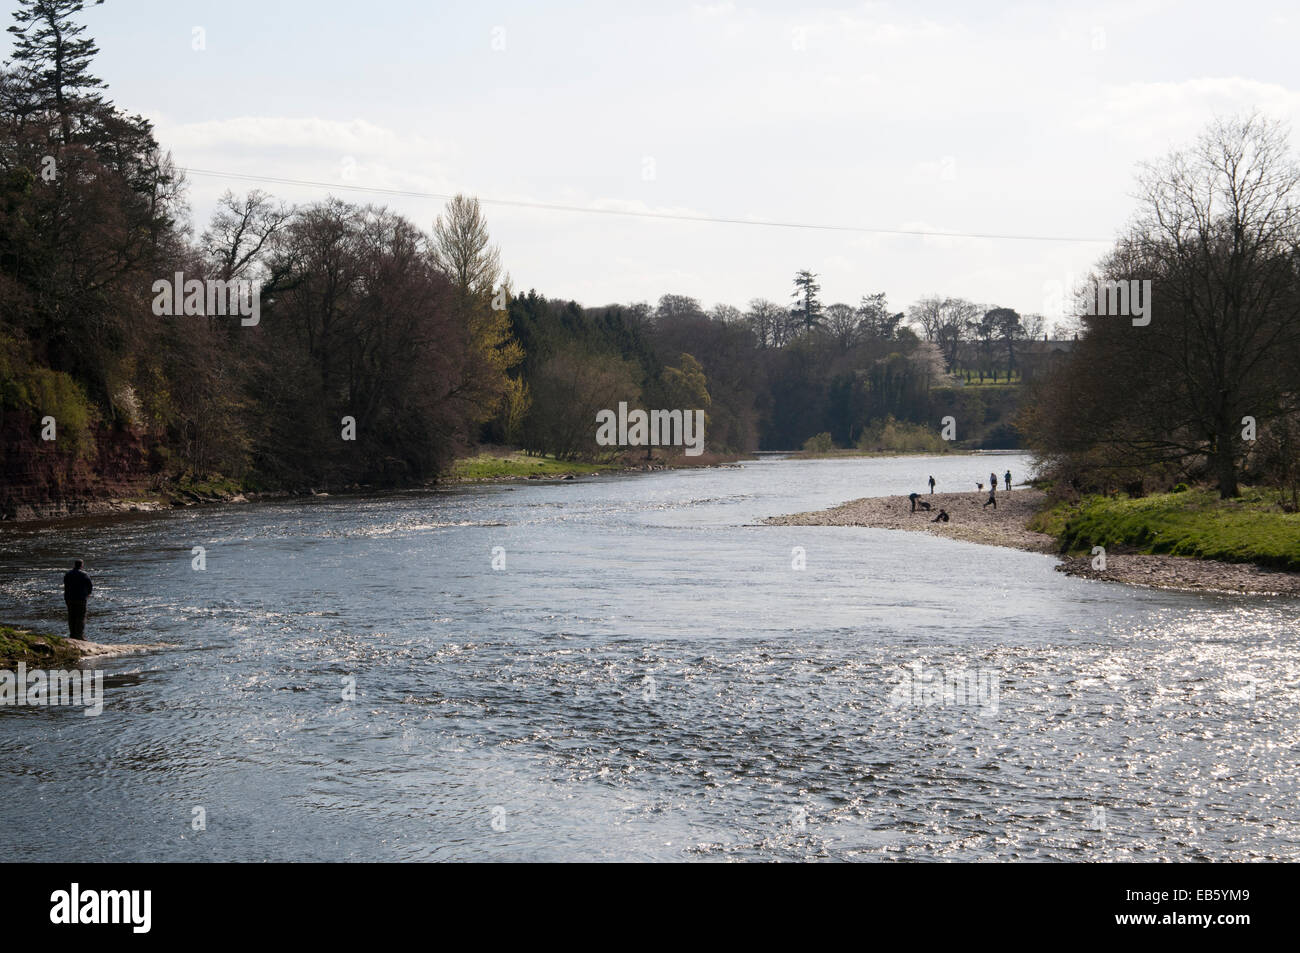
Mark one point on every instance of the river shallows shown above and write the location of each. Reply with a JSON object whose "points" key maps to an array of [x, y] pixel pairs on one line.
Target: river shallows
{"points": [[648, 678]]}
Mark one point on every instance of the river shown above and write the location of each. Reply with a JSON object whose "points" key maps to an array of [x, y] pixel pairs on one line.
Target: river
{"points": [[645, 677]]}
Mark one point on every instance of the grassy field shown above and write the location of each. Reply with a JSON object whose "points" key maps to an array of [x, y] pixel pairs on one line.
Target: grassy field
{"points": [[1250, 529], [489, 466], [19, 645]]}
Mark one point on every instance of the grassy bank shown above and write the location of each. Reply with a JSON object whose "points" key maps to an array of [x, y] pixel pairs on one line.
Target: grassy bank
{"points": [[1250, 529], [499, 466], [34, 648]]}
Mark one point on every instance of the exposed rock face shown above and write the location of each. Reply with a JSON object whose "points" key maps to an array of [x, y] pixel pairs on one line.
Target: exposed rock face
{"points": [[43, 479]]}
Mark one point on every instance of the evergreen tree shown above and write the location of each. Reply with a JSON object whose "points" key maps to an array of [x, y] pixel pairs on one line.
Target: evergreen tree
{"points": [[50, 49], [807, 308]]}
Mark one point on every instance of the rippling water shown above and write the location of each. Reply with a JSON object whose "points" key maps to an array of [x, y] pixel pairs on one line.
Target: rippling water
{"points": [[647, 678]]}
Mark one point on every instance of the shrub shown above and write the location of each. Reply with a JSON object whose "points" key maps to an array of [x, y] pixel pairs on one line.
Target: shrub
{"points": [[900, 436], [821, 443]]}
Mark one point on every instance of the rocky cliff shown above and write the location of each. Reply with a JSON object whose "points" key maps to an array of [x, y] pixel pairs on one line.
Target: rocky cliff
{"points": [[41, 478]]}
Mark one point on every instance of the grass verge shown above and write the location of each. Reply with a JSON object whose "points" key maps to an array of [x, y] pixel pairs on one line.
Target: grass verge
{"points": [[1252, 528]]}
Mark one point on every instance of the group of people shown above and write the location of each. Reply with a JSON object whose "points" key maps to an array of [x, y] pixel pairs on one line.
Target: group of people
{"points": [[942, 517]]}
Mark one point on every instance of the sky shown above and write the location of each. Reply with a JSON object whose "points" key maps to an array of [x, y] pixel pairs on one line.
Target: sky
{"points": [[1010, 119]]}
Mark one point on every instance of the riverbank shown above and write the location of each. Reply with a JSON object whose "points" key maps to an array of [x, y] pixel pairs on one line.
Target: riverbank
{"points": [[1254, 527], [489, 466], [969, 519], [44, 650], [496, 465], [1009, 525]]}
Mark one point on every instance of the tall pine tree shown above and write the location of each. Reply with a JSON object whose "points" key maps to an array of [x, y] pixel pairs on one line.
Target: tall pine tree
{"points": [[50, 49]]}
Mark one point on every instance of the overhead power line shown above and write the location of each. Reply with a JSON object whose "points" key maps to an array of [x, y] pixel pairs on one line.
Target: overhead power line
{"points": [[708, 219]]}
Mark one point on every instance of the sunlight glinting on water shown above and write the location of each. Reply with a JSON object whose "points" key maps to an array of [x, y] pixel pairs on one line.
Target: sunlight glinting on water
{"points": [[647, 677]]}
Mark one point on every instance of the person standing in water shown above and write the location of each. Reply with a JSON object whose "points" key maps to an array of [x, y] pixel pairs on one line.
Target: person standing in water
{"points": [[76, 590], [932, 484], [1007, 476]]}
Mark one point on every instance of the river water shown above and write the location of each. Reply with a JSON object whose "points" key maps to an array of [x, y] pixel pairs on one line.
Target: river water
{"points": [[647, 677]]}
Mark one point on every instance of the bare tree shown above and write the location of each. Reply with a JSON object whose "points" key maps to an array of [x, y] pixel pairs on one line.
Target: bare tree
{"points": [[769, 322], [1216, 236], [241, 231], [726, 314], [843, 325], [957, 317], [927, 314], [1220, 223]]}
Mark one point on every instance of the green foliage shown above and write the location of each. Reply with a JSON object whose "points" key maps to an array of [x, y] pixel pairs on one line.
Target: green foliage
{"points": [[34, 648], [687, 386], [1053, 519], [488, 466], [43, 392], [1252, 528], [819, 443], [57, 395], [211, 487], [899, 436]]}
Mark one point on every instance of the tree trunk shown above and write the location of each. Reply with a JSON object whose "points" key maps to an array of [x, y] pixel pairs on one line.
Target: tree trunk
{"points": [[1225, 464]]}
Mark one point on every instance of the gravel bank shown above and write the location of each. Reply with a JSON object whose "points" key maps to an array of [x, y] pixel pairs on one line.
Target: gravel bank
{"points": [[969, 519], [972, 522]]}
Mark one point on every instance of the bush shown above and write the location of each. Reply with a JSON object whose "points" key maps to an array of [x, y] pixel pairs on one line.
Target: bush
{"points": [[900, 436], [27, 387], [821, 443]]}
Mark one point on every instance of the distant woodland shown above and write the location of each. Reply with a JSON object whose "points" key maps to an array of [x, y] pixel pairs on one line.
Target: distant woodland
{"points": [[417, 336]]}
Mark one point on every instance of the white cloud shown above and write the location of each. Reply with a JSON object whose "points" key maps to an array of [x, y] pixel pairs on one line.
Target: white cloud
{"points": [[1158, 116]]}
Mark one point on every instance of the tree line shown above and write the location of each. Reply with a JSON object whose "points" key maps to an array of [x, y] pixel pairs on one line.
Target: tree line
{"points": [[414, 335]]}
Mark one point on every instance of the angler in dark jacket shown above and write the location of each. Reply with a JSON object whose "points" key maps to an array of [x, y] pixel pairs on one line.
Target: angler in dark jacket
{"points": [[76, 590]]}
